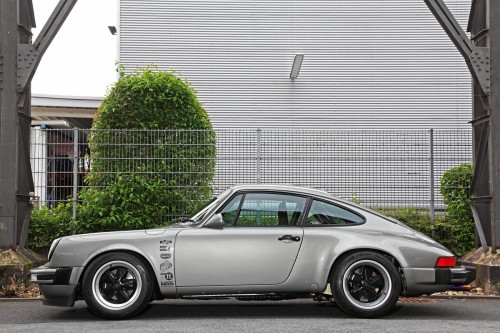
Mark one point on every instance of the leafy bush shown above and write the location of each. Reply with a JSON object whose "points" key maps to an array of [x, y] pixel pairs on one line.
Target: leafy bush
{"points": [[455, 189], [151, 99], [441, 230], [48, 224], [153, 154], [130, 202], [455, 229]]}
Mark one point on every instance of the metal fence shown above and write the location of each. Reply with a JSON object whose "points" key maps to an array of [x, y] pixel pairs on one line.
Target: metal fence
{"points": [[384, 169]]}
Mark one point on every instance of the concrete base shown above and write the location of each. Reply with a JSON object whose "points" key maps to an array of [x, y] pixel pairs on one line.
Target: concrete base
{"points": [[17, 263], [488, 270]]}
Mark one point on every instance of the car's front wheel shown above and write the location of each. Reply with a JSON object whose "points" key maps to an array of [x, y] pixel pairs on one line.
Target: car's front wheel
{"points": [[117, 286], [366, 284]]}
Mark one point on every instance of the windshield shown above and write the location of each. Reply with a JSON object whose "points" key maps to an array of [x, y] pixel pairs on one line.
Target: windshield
{"points": [[201, 214], [199, 217]]}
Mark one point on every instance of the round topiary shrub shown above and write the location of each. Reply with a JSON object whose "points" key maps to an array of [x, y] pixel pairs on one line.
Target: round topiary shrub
{"points": [[152, 154], [455, 189], [152, 99]]}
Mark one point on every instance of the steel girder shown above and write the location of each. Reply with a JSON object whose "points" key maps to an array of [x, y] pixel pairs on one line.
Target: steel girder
{"points": [[482, 55], [19, 59]]}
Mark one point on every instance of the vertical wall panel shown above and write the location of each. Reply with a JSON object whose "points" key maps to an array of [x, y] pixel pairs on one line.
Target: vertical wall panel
{"points": [[368, 64]]}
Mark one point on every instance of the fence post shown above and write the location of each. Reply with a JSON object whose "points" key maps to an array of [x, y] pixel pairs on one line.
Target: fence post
{"points": [[431, 171], [259, 132], [75, 171]]}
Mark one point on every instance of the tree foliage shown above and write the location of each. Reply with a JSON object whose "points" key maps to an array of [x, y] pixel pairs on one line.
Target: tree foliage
{"points": [[455, 229], [455, 189], [151, 99], [441, 229], [48, 224], [152, 152]]}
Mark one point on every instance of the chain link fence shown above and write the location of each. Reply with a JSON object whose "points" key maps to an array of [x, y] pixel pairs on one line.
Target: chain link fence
{"points": [[383, 169]]}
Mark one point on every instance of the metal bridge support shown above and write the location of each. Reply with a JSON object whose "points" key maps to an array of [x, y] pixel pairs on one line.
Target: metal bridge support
{"points": [[482, 55], [19, 59], [485, 31]]}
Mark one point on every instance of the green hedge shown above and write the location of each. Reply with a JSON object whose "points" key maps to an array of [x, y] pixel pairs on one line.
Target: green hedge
{"points": [[48, 224], [439, 230], [153, 154], [152, 158], [455, 229], [150, 98], [455, 189], [130, 202]]}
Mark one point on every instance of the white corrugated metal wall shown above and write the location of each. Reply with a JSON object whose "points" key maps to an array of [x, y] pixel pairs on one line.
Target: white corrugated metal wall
{"points": [[368, 64]]}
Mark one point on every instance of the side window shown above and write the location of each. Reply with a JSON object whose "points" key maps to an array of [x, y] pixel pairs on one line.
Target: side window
{"points": [[231, 209], [325, 213], [269, 210]]}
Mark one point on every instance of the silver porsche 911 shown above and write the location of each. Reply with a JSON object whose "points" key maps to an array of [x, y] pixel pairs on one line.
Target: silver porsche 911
{"points": [[253, 242]]}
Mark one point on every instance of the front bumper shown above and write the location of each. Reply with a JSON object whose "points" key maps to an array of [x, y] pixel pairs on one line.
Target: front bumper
{"points": [[57, 285], [430, 280]]}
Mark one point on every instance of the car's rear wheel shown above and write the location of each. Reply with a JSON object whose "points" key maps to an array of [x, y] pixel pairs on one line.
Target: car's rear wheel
{"points": [[117, 286], [366, 284]]}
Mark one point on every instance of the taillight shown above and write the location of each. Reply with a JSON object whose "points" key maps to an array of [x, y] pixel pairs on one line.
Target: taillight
{"points": [[446, 262]]}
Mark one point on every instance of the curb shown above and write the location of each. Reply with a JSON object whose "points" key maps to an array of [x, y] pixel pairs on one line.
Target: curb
{"points": [[462, 297], [497, 297], [19, 299]]}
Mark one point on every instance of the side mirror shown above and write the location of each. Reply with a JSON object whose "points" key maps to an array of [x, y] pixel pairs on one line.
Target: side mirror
{"points": [[215, 222]]}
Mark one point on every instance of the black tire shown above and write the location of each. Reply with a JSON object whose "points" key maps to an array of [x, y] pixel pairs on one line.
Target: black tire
{"points": [[117, 286], [366, 285]]}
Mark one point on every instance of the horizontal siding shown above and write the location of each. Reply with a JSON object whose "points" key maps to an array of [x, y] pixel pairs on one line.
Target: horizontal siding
{"points": [[376, 64]]}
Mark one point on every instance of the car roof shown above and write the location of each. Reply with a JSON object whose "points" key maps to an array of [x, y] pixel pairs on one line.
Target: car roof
{"points": [[304, 191], [284, 188]]}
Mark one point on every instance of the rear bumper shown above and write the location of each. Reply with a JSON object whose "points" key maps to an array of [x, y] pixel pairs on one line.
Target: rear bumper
{"points": [[57, 285], [430, 280], [455, 275]]}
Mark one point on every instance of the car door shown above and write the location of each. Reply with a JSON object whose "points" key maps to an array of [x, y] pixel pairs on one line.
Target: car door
{"points": [[258, 244]]}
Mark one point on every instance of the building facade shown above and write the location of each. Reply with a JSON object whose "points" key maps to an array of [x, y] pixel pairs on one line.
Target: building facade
{"points": [[368, 64], [377, 77]]}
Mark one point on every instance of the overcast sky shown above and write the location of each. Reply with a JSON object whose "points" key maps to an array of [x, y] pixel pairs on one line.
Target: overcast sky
{"points": [[81, 59]]}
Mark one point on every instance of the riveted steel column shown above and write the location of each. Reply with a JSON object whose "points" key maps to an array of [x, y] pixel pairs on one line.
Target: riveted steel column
{"points": [[9, 138], [482, 56], [485, 33], [481, 111], [494, 140], [19, 59]]}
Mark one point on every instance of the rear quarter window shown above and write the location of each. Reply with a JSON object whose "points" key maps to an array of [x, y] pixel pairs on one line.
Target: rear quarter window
{"points": [[324, 213]]}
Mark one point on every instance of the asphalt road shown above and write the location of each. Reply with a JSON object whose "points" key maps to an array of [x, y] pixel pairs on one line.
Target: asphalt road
{"points": [[444, 315]]}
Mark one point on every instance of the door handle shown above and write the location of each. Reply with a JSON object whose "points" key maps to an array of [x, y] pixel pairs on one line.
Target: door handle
{"points": [[289, 238]]}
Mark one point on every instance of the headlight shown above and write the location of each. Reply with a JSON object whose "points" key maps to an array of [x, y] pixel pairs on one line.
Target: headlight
{"points": [[53, 246]]}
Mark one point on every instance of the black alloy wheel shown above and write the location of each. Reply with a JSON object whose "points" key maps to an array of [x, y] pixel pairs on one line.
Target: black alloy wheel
{"points": [[366, 284], [117, 286]]}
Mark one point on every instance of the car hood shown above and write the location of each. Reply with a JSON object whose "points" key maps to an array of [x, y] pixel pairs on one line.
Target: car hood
{"points": [[127, 233], [175, 226]]}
